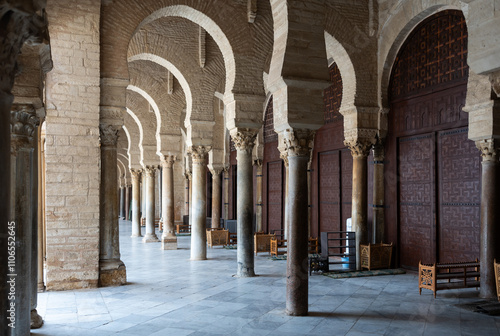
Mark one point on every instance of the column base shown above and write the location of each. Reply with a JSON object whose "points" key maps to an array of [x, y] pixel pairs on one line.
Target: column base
{"points": [[36, 320], [134, 235], [291, 313], [169, 243], [41, 287], [150, 238], [196, 259], [112, 273], [245, 273]]}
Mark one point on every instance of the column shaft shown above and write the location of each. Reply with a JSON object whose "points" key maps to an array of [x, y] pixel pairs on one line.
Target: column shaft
{"points": [[226, 193], [186, 194], [150, 236], [143, 197], [216, 198], [112, 270], [258, 225], [122, 201], [136, 196], [199, 204], [244, 143], [359, 203], [168, 238], [127, 202]]}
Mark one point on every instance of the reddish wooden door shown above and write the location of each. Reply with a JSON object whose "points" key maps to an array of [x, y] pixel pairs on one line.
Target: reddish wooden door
{"points": [[459, 190], [274, 195], [417, 199], [329, 191]]}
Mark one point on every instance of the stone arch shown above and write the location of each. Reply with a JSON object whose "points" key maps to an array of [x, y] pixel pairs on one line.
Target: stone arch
{"points": [[176, 72], [122, 167], [156, 110], [141, 132], [400, 23], [337, 53]]}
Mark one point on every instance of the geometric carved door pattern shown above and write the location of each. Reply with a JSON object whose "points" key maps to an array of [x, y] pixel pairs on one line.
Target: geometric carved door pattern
{"points": [[275, 195], [416, 167], [439, 197], [329, 191], [459, 192]]}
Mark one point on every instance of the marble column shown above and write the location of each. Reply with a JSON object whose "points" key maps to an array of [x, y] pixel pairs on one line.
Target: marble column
{"points": [[359, 150], [112, 271], [127, 202], [168, 237], [21, 225], [216, 197], [378, 193], [187, 178], [298, 147], [150, 236], [136, 196], [258, 197], [143, 198], [284, 157], [489, 249], [122, 199], [41, 212], [226, 193], [199, 202], [244, 143]]}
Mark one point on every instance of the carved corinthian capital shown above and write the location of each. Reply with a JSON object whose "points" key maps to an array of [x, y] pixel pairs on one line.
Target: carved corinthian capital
{"points": [[108, 135], [244, 140], [167, 161], [136, 174], [359, 147], [489, 149], [23, 122], [298, 142], [199, 153], [150, 171]]}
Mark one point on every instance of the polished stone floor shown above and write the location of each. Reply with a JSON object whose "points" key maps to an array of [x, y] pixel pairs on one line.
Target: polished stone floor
{"points": [[169, 295]]}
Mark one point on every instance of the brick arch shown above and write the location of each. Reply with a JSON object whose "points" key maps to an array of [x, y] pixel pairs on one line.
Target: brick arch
{"points": [[156, 110], [141, 133], [400, 24], [121, 167], [236, 38], [337, 54], [175, 71], [124, 157], [130, 137]]}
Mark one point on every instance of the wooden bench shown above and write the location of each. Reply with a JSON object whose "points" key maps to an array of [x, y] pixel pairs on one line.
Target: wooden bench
{"points": [[143, 221], [278, 246], [448, 276], [217, 237], [183, 228]]}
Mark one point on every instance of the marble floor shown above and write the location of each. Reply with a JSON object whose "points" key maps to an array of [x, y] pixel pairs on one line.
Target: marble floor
{"points": [[167, 294]]}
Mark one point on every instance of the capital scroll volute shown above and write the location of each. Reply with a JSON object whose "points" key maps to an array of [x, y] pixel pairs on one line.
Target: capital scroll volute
{"points": [[108, 135], [489, 149], [199, 153], [168, 161], [244, 140]]}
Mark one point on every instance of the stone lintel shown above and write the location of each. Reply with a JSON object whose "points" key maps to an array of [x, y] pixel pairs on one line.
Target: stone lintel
{"points": [[244, 110]]}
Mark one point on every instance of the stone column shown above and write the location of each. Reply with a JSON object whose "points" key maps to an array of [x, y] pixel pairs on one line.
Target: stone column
{"points": [[199, 202], [187, 178], [143, 197], [216, 197], [226, 193], [41, 212], [127, 202], [244, 142], [298, 147], [150, 236], [284, 157], [136, 196], [122, 199], [258, 197], [112, 270], [490, 215], [168, 237], [22, 224], [378, 193], [359, 150]]}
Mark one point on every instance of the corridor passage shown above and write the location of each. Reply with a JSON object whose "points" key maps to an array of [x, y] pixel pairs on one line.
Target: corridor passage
{"points": [[167, 294]]}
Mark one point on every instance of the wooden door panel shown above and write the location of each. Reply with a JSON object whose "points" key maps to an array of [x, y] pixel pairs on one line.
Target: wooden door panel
{"points": [[459, 193], [275, 195], [346, 182], [416, 199], [329, 191]]}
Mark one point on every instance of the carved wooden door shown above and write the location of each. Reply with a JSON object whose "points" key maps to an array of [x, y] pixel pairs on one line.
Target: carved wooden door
{"points": [[417, 210], [329, 191], [275, 195], [459, 193]]}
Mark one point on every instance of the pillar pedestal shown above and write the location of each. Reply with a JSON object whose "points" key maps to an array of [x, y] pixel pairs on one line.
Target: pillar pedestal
{"points": [[168, 237], [150, 236], [490, 215], [112, 270], [199, 202], [244, 143]]}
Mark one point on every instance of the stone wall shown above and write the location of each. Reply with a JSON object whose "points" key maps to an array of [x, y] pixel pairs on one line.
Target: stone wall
{"points": [[72, 154]]}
